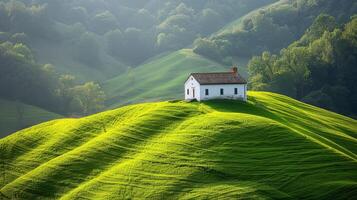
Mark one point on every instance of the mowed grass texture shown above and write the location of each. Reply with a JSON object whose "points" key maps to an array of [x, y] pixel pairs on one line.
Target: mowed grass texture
{"points": [[272, 147], [16, 115]]}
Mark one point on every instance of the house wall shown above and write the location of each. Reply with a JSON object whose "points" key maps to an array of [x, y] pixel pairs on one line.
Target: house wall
{"points": [[191, 84], [214, 92]]}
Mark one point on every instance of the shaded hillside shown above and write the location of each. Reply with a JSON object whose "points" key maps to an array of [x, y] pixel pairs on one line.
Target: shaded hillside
{"points": [[160, 78], [16, 115], [272, 147], [96, 40]]}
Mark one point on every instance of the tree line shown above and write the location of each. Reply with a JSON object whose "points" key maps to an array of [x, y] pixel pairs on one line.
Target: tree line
{"points": [[23, 79], [271, 28], [320, 68]]}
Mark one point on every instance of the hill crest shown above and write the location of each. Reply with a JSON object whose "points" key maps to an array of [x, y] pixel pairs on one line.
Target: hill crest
{"points": [[266, 148]]}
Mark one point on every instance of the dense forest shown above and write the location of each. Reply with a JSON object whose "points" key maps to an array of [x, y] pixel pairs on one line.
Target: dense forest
{"points": [[58, 54], [320, 68], [319, 64], [130, 31], [271, 28]]}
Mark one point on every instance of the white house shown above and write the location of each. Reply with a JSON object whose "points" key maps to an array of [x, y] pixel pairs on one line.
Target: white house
{"points": [[218, 85]]}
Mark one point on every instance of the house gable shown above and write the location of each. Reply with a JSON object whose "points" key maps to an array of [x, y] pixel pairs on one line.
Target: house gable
{"points": [[192, 88], [190, 78]]}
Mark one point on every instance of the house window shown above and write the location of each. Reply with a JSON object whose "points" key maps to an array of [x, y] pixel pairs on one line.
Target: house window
{"points": [[235, 91], [206, 92], [188, 91], [222, 91]]}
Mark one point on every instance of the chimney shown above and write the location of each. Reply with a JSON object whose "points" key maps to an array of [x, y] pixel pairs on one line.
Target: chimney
{"points": [[235, 70]]}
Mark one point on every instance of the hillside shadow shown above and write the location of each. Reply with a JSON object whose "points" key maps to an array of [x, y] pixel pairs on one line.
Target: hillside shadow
{"points": [[252, 107]]}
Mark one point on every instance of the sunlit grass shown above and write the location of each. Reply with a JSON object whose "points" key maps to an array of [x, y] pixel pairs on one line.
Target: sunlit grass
{"points": [[270, 147]]}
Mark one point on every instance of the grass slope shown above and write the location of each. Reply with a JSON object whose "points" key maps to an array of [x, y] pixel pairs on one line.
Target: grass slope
{"points": [[158, 79], [9, 116], [272, 147]]}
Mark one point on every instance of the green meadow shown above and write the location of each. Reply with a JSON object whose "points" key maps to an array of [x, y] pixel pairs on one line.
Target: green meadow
{"points": [[272, 147]]}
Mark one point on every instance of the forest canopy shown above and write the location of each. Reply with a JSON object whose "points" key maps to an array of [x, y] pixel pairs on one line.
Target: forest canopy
{"points": [[319, 69], [146, 27], [271, 28]]}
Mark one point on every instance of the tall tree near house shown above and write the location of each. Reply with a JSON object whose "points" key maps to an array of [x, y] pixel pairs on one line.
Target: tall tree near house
{"points": [[296, 61], [262, 70]]}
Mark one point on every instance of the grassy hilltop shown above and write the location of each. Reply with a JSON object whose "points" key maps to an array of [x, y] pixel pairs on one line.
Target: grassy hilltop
{"points": [[161, 77], [272, 147]]}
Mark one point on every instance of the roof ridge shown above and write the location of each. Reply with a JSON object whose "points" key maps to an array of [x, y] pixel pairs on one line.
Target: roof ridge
{"points": [[219, 78], [212, 72]]}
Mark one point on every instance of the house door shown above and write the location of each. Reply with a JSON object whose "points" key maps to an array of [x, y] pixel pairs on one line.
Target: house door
{"points": [[193, 93]]}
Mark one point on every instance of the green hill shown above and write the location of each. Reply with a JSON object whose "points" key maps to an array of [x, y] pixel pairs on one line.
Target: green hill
{"points": [[11, 120], [160, 78], [272, 147]]}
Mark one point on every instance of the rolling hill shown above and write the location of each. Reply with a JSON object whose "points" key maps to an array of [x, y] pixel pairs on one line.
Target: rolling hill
{"points": [[32, 115], [272, 147], [161, 78]]}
